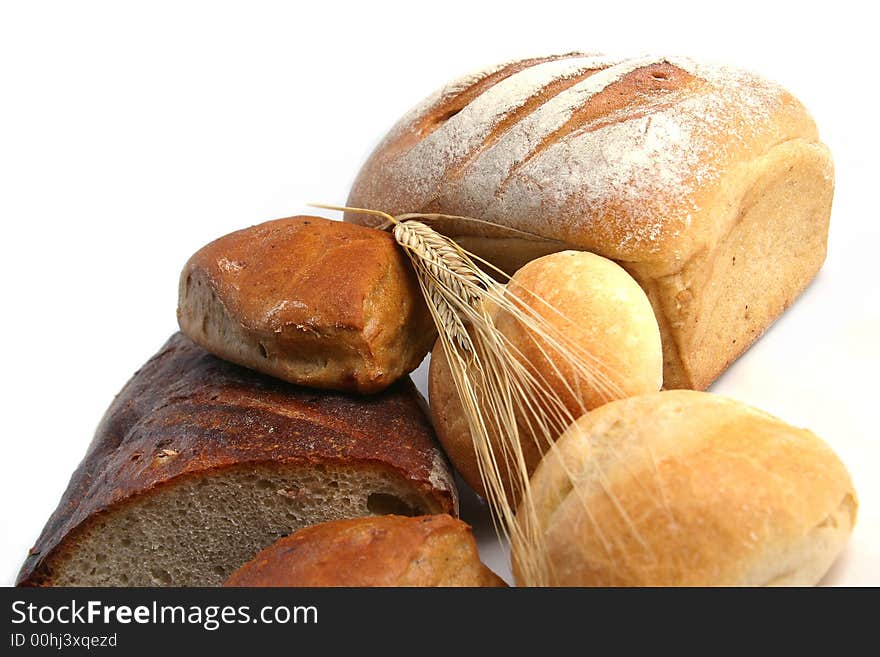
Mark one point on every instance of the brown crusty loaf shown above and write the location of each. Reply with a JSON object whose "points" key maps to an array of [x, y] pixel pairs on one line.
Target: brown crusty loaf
{"points": [[198, 464], [389, 550], [708, 184], [685, 488], [311, 301]]}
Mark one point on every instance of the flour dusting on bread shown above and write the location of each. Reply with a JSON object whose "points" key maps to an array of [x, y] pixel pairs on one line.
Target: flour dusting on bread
{"points": [[636, 171], [427, 163]]}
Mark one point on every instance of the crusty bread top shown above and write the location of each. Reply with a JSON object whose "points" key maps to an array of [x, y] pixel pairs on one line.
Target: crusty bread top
{"points": [[269, 276], [605, 317], [186, 412], [315, 302], [379, 551], [624, 157]]}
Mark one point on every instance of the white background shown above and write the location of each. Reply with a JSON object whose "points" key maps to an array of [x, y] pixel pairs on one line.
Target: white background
{"points": [[133, 133]]}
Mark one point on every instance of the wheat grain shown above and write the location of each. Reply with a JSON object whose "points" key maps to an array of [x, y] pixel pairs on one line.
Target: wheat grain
{"points": [[504, 398]]}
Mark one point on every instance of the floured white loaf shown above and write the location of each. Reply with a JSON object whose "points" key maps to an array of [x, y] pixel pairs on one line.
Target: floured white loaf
{"points": [[706, 183]]}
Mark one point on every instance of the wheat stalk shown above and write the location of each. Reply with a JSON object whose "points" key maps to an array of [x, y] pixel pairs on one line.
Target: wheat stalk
{"points": [[438, 261], [504, 399]]}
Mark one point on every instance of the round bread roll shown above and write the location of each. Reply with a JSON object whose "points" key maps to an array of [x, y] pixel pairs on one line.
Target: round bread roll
{"points": [[683, 488], [390, 550], [600, 309]]}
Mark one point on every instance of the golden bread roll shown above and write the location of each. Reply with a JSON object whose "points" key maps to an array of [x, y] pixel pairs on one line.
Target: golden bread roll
{"points": [[597, 306], [315, 302], [684, 488], [708, 184], [379, 551]]}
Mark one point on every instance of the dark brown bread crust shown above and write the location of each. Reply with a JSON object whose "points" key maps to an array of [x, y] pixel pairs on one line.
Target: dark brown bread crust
{"points": [[186, 412], [315, 302], [433, 550]]}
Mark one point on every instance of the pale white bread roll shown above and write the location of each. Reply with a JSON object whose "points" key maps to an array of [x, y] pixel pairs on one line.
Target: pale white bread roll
{"points": [[684, 488], [707, 184], [599, 310]]}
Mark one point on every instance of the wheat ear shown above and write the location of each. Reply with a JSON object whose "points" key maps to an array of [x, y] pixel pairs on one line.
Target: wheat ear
{"points": [[502, 397]]}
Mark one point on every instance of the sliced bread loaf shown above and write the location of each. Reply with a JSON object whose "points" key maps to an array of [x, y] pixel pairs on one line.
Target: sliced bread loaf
{"points": [[199, 464]]}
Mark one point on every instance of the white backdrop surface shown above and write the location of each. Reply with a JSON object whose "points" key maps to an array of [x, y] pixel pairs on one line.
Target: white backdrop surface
{"points": [[133, 133]]}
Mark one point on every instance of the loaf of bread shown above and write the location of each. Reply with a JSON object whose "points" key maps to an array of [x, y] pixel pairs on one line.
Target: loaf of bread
{"points": [[388, 550], [311, 301], [708, 184], [199, 464], [600, 310], [685, 488]]}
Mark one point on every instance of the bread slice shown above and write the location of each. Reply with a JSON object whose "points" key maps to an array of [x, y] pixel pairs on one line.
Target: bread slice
{"points": [[389, 550], [315, 302], [199, 464]]}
